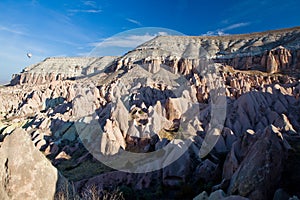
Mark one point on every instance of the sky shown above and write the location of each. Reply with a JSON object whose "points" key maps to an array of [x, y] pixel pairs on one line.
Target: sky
{"points": [[48, 28]]}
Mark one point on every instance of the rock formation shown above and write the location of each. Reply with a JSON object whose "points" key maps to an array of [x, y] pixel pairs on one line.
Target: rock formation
{"points": [[254, 163], [55, 69], [228, 105], [25, 172]]}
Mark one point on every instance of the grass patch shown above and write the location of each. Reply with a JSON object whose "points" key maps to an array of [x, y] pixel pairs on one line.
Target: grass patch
{"points": [[174, 133], [75, 171], [83, 170], [67, 192], [167, 134]]}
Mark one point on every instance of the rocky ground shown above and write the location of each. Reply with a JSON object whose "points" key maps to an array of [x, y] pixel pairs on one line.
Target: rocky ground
{"points": [[224, 109]]}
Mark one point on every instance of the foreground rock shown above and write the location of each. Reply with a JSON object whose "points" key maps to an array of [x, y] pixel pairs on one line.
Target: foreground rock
{"points": [[255, 164], [218, 195], [25, 172]]}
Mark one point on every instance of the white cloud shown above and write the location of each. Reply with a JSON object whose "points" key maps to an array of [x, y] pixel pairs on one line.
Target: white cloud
{"points": [[85, 11], [134, 21], [10, 30], [222, 31], [234, 26], [92, 4], [84, 54], [130, 41], [119, 45], [86, 7], [123, 42], [162, 33], [215, 33]]}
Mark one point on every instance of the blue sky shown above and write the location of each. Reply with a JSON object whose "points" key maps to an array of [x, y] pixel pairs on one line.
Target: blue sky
{"points": [[74, 27]]}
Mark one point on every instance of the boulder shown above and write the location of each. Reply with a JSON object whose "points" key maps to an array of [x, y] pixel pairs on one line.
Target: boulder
{"points": [[218, 195], [25, 172], [206, 171], [201, 196], [259, 172], [280, 194]]}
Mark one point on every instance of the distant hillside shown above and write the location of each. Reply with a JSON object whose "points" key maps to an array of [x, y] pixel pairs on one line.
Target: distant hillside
{"points": [[270, 51]]}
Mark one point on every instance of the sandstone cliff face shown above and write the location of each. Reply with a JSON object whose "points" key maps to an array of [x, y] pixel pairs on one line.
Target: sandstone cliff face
{"points": [[156, 97], [56, 69], [270, 51]]}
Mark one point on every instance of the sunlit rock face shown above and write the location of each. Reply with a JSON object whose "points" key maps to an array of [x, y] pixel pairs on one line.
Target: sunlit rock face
{"points": [[61, 68], [156, 98], [272, 51]]}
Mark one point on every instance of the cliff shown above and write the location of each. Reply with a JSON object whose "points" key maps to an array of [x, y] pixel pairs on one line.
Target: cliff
{"points": [[55, 69], [272, 51]]}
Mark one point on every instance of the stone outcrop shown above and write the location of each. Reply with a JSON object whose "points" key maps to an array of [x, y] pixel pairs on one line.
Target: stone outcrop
{"points": [[277, 59], [255, 164], [272, 52], [61, 69], [218, 195], [25, 172]]}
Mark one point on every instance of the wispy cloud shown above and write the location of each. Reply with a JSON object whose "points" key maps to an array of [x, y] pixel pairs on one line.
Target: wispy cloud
{"points": [[227, 28], [86, 7], [214, 33], [20, 34], [134, 21], [120, 44], [85, 10], [234, 26], [162, 33], [92, 4], [10, 30], [128, 40], [124, 41]]}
